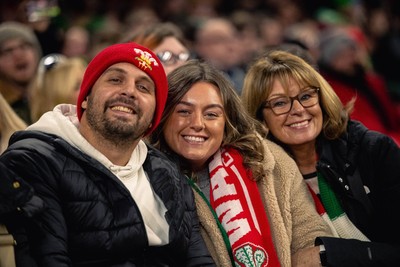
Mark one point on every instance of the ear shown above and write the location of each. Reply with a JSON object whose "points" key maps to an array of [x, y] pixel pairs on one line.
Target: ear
{"points": [[84, 104]]}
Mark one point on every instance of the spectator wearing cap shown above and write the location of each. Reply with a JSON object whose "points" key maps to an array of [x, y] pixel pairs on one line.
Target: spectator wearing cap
{"points": [[110, 199], [20, 53]]}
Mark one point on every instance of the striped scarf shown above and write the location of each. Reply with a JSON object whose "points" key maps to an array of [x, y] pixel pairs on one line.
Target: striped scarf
{"points": [[331, 211], [239, 208]]}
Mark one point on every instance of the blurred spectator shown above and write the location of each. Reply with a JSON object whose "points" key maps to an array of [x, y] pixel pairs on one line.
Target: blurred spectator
{"points": [[76, 42], [166, 40], [39, 15], [307, 33], [346, 71], [57, 81], [250, 42], [384, 31], [9, 123], [138, 18], [271, 31], [216, 41], [20, 53]]}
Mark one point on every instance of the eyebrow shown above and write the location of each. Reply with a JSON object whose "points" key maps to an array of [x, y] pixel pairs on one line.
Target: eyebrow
{"points": [[208, 106], [122, 71]]}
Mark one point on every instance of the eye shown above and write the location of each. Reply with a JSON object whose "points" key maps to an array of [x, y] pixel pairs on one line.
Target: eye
{"points": [[183, 112], [115, 80], [279, 102], [211, 115], [143, 88], [305, 96]]}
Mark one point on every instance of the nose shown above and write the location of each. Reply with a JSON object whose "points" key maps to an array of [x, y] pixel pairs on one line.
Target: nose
{"points": [[296, 107], [129, 89], [197, 122]]}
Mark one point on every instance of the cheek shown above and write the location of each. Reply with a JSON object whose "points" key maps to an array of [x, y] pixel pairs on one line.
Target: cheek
{"points": [[268, 119], [219, 129], [172, 129]]}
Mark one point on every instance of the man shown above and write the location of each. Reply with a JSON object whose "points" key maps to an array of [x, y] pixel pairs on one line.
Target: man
{"points": [[109, 199], [20, 53]]}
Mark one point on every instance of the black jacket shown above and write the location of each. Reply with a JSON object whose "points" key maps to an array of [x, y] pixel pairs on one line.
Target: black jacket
{"points": [[363, 168], [90, 218]]}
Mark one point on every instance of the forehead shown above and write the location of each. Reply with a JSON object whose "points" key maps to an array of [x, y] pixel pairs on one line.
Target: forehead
{"points": [[13, 42], [127, 69]]}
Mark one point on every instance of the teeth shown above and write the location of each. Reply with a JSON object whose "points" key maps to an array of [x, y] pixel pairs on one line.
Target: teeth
{"points": [[299, 124], [194, 138], [123, 109]]}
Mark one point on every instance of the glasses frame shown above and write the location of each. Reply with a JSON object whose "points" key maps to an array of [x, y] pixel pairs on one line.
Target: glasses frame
{"points": [[316, 90], [51, 60], [168, 58]]}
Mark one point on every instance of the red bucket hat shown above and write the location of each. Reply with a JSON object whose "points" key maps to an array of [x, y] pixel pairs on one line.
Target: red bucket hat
{"points": [[138, 55]]}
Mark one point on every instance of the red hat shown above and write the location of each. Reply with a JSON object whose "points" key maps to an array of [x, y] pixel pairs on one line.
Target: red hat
{"points": [[137, 55]]}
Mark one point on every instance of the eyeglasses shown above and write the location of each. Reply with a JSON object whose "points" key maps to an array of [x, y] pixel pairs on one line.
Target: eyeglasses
{"points": [[283, 104], [169, 58]]}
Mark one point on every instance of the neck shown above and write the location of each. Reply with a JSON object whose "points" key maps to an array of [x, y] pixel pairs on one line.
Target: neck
{"points": [[305, 157], [118, 153]]}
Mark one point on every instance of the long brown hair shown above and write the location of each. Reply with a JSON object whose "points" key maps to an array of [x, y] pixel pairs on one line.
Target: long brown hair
{"points": [[240, 128]]}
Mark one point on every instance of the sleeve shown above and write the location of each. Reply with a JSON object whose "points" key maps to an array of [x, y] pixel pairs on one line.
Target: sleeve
{"points": [[47, 232], [14, 192], [382, 166], [351, 252]]}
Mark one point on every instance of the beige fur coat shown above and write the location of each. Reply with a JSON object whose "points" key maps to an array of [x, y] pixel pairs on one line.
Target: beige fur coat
{"points": [[291, 212]]}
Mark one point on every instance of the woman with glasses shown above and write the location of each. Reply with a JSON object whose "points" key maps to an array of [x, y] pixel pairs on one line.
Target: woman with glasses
{"points": [[352, 172], [167, 41]]}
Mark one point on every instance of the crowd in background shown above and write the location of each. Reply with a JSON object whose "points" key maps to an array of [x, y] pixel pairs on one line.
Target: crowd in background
{"points": [[355, 44]]}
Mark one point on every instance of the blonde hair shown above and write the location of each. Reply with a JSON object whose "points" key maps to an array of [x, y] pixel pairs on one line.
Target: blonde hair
{"points": [[56, 84], [283, 66], [10, 122]]}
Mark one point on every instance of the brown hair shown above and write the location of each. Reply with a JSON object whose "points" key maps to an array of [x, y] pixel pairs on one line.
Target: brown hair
{"points": [[153, 35]]}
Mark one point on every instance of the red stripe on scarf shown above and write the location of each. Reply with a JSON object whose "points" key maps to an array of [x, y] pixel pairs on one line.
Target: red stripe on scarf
{"points": [[236, 199], [318, 204]]}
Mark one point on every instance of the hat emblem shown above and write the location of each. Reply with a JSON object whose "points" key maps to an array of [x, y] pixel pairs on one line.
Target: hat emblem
{"points": [[145, 59]]}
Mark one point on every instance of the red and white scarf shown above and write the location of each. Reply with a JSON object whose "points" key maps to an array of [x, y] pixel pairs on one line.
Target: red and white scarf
{"points": [[237, 202]]}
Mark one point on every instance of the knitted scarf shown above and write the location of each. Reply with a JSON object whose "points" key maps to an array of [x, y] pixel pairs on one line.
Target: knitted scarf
{"points": [[237, 202], [331, 211]]}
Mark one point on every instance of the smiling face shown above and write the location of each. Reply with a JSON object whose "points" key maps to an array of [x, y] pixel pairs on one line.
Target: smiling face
{"points": [[299, 126], [195, 129], [121, 104]]}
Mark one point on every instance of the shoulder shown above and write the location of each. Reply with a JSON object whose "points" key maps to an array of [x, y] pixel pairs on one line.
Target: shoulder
{"points": [[275, 157], [369, 139]]}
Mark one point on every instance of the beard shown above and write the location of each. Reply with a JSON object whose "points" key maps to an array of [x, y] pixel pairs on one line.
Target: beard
{"points": [[118, 131]]}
